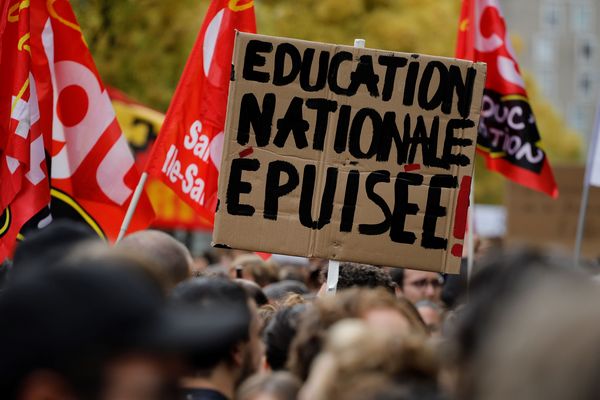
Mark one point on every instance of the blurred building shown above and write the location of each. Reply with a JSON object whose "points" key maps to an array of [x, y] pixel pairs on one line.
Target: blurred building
{"points": [[561, 47]]}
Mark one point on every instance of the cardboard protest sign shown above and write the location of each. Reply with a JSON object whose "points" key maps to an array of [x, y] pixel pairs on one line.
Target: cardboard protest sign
{"points": [[538, 220], [348, 154]]}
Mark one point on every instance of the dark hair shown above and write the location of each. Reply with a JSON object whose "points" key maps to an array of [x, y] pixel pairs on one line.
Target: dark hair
{"points": [[253, 291], [455, 286], [49, 246], [397, 275], [364, 276], [72, 321], [279, 334], [5, 267], [503, 276], [204, 294], [279, 290]]}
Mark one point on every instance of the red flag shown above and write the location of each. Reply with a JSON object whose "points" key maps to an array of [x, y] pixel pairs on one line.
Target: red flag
{"points": [[140, 126], [93, 171], [187, 153], [24, 182], [70, 115], [508, 136]]}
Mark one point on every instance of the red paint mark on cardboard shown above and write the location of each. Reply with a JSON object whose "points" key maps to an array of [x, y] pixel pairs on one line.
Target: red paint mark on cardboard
{"points": [[412, 167], [457, 250], [246, 152]]}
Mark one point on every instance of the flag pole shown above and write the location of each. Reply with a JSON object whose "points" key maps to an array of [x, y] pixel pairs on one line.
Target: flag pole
{"points": [[471, 231], [586, 188], [132, 206], [581, 221], [333, 269]]}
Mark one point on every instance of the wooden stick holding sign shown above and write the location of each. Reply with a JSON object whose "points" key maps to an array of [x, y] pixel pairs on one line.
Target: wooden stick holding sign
{"points": [[333, 270]]}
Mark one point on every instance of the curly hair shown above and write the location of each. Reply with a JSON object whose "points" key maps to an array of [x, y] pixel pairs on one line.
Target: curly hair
{"points": [[362, 275]]}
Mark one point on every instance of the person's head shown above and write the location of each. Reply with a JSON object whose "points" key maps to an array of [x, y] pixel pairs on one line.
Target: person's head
{"points": [[241, 354], [278, 291], [432, 315], [5, 267], [456, 285], [276, 386], [170, 257], [353, 275], [356, 352], [48, 246], [384, 311], [421, 285], [293, 272], [67, 329], [545, 344], [254, 292], [377, 387], [501, 278], [253, 268], [378, 308], [279, 333]]}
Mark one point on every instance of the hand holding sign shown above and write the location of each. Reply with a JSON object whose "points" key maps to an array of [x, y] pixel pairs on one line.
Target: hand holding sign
{"points": [[358, 155]]}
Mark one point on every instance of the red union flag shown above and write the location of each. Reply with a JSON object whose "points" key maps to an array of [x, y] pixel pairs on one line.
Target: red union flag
{"points": [[508, 136], [24, 186], [71, 124], [187, 153]]}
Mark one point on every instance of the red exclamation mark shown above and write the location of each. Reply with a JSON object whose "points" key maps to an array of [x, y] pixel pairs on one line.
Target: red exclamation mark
{"points": [[460, 217]]}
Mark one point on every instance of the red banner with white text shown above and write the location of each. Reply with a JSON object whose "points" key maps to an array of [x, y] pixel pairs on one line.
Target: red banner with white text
{"points": [[508, 136], [141, 125], [187, 153], [24, 184], [92, 171]]}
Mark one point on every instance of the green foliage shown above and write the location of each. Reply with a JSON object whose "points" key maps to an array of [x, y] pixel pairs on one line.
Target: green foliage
{"points": [[140, 47], [423, 26]]}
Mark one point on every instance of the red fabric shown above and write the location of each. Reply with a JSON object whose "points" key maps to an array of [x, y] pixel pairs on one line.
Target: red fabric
{"points": [[187, 153], [264, 256], [24, 187], [91, 161], [508, 136], [92, 168], [171, 211]]}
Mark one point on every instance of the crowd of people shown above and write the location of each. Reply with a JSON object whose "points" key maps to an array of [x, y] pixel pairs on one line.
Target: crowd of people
{"points": [[143, 320]]}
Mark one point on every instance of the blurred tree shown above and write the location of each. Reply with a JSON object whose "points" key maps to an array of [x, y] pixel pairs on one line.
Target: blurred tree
{"points": [[140, 47], [426, 26]]}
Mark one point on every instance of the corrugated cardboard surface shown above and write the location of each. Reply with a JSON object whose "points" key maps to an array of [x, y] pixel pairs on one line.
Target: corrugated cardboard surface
{"points": [[534, 218], [286, 234]]}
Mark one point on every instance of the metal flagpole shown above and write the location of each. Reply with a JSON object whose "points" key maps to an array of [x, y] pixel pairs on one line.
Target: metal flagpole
{"points": [[586, 188], [471, 231], [132, 206], [581, 221], [333, 269]]}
